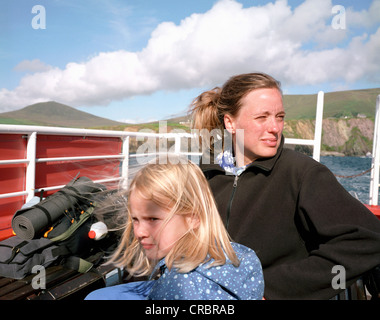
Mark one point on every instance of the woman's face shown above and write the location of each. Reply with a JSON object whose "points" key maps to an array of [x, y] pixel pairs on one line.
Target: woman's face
{"points": [[261, 117], [156, 237]]}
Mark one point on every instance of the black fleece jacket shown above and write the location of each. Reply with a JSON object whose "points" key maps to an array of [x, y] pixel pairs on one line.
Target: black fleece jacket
{"points": [[299, 220]]}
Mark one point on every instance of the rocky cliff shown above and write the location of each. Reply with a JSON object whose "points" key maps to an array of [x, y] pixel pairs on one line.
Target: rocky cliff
{"points": [[350, 137]]}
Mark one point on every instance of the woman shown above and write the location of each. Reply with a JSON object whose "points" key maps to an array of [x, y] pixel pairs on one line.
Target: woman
{"points": [[284, 205]]}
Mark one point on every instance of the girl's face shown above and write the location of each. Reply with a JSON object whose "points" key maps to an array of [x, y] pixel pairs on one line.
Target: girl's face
{"points": [[156, 237]]}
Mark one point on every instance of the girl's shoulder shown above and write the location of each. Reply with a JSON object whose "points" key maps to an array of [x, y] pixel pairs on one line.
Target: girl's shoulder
{"points": [[243, 253], [248, 263], [214, 282], [247, 257], [245, 281], [241, 249]]}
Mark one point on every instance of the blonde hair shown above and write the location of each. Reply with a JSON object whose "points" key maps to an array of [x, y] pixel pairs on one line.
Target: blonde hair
{"points": [[182, 188], [210, 107]]}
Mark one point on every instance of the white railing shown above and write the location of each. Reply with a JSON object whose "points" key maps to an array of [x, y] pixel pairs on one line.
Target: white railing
{"points": [[374, 183], [316, 142], [124, 156], [31, 147]]}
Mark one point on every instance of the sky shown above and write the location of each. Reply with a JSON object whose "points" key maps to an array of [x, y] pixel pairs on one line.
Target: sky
{"points": [[146, 60]]}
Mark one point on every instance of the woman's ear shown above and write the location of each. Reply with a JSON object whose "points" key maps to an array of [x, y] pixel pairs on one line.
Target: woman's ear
{"points": [[229, 123]]}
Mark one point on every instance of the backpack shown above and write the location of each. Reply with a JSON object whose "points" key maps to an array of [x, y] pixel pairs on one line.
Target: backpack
{"points": [[54, 230]]}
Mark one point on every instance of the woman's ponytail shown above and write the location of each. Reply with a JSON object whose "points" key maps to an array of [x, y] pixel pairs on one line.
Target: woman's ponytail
{"points": [[205, 112]]}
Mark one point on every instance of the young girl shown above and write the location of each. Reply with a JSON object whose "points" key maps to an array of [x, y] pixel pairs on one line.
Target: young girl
{"points": [[174, 231]]}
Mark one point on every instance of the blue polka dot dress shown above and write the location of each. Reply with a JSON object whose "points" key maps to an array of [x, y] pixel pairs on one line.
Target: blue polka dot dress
{"points": [[226, 282]]}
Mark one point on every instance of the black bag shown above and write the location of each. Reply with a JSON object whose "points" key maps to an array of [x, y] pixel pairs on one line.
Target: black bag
{"points": [[19, 256], [75, 197], [64, 219]]}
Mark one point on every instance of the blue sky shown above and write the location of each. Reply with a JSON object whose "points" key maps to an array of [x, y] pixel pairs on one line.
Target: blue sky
{"points": [[144, 60]]}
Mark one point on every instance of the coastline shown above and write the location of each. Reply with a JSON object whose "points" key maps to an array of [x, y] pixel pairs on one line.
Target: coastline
{"points": [[332, 153]]}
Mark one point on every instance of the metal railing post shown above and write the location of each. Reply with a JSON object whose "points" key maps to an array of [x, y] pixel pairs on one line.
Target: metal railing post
{"points": [[374, 183], [31, 166], [318, 127], [177, 144], [125, 162]]}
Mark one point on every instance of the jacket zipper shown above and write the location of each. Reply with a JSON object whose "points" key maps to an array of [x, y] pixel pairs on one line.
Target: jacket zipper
{"points": [[231, 199]]}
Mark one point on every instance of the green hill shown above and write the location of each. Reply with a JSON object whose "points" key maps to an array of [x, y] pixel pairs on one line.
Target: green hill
{"points": [[336, 104], [54, 114]]}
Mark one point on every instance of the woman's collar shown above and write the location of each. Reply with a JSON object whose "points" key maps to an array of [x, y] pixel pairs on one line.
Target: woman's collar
{"points": [[226, 160]]}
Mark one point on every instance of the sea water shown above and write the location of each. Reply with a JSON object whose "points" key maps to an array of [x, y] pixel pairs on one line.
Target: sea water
{"points": [[344, 167]]}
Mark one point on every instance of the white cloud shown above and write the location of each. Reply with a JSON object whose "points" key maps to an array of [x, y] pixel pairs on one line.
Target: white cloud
{"points": [[298, 46], [365, 18], [32, 66]]}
